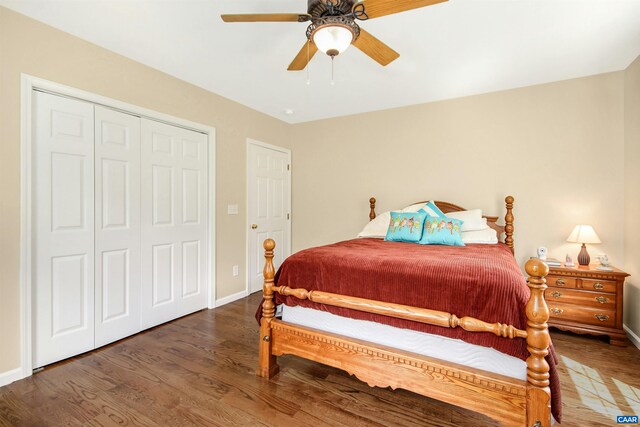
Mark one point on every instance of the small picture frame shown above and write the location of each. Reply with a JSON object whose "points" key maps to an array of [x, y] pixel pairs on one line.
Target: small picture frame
{"points": [[568, 262]]}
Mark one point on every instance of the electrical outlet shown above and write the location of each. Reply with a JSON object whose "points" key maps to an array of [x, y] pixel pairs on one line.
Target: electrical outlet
{"points": [[236, 270], [232, 209]]}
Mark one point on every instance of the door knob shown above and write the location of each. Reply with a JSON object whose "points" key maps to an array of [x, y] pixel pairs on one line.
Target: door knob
{"points": [[254, 226]]}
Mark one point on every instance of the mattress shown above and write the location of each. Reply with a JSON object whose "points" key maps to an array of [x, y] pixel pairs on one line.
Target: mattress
{"points": [[480, 281], [440, 347]]}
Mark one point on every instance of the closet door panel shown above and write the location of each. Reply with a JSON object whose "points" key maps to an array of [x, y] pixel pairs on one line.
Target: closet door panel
{"points": [[174, 230], [63, 224], [117, 225], [193, 221]]}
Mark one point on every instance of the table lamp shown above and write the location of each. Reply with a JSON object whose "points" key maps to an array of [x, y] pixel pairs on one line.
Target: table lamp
{"points": [[583, 234]]}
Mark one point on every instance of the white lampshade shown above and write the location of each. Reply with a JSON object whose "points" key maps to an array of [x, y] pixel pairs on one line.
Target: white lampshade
{"points": [[583, 234], [333, 38]]}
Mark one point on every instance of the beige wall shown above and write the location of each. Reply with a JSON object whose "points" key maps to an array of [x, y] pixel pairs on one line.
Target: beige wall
{"points": [[557, 148], [632, 194], [27, 46]]}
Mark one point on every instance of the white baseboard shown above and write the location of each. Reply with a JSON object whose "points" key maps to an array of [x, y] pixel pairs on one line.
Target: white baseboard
{"points": [[8, 377], [635, 339], [231, 298]]}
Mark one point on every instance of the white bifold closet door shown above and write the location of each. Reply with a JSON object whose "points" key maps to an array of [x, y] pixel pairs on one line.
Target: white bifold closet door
{"points": [[174, 222], [63, 225], [117, 225]]}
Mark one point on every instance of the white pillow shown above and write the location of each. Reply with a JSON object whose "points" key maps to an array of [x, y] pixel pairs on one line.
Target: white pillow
{"points": [[418, 206], [473, 220], [488, 236], [378, 227], [414, 208]]}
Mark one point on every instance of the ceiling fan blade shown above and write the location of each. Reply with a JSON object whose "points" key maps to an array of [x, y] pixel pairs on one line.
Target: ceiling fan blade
{"points": [[266, 17], [378, 8], [303, 57], [375, 49]]}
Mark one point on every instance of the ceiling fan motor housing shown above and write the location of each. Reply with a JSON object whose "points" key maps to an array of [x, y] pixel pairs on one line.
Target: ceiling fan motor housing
{"points": [[320, 8]]}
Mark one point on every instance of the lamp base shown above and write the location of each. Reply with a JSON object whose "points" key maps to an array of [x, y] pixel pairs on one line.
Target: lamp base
{"points": [[583, 256]]}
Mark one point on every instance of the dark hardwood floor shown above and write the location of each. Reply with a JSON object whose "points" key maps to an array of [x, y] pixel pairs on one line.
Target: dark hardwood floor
{"points": [[199, 370]]}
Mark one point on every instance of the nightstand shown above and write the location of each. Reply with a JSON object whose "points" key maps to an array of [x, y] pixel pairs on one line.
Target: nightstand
{"points": [[583, 299]]}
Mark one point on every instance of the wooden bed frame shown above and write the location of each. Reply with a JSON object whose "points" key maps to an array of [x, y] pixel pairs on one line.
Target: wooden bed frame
{"points": [[510, 401]]}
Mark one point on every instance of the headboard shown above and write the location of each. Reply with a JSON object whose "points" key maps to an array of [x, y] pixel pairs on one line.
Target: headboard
{"points": [[447, 207]]}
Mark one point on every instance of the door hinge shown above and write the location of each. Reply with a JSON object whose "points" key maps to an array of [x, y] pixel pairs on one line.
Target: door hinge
{"points": [[288, 166], [287, 216]]}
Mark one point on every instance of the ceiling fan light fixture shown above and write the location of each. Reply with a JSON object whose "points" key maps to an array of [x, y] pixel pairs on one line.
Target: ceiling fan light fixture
{"points": [[333, 39]]}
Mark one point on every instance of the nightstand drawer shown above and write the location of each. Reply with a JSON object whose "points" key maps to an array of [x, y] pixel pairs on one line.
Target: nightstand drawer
{"points": [[591, 316], [580, 297], [561, 282], [599, 285]]}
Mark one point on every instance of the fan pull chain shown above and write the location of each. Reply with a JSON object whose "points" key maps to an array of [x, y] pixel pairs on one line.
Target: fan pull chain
{"points": [[333, 83], [308, 65]]}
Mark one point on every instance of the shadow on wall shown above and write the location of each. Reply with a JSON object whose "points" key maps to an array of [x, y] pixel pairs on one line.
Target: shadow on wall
{"points": [[631, 297]]}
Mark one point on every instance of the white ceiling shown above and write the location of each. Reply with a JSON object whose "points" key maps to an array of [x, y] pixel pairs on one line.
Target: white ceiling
{"points": [[449, 50]]}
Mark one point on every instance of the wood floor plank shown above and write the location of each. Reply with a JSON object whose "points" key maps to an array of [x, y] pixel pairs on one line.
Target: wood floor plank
{"points": [[200, 370], [15, 412]]}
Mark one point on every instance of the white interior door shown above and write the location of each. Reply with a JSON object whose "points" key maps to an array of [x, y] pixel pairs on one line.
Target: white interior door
{"points": [[174, 222], [269, 201], [63, 224], [117, 225]]}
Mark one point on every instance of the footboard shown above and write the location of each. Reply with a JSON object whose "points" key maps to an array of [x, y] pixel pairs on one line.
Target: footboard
{"points": [[508, 400]]}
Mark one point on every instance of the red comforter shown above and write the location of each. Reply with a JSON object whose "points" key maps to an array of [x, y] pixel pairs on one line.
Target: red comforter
{"points": [[481, 281]]}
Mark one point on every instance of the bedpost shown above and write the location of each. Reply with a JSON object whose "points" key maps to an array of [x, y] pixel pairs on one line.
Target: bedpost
{"points": [[268, 365], [508, 223], [538, 339], [372, 212]]}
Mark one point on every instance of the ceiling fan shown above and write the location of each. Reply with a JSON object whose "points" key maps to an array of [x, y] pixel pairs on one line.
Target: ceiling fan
{"points": [[333, 26]]}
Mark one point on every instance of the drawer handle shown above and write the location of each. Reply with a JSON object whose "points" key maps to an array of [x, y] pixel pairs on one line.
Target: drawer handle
{"points": [[598, 286], [556, 294], [602, 300], [560, 282], [601, 317], [557, 310]]}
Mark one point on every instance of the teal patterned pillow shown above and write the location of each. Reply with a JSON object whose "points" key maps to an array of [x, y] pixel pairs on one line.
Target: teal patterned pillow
{"points": [[405, 226], [441, 231], [431, 209]]}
